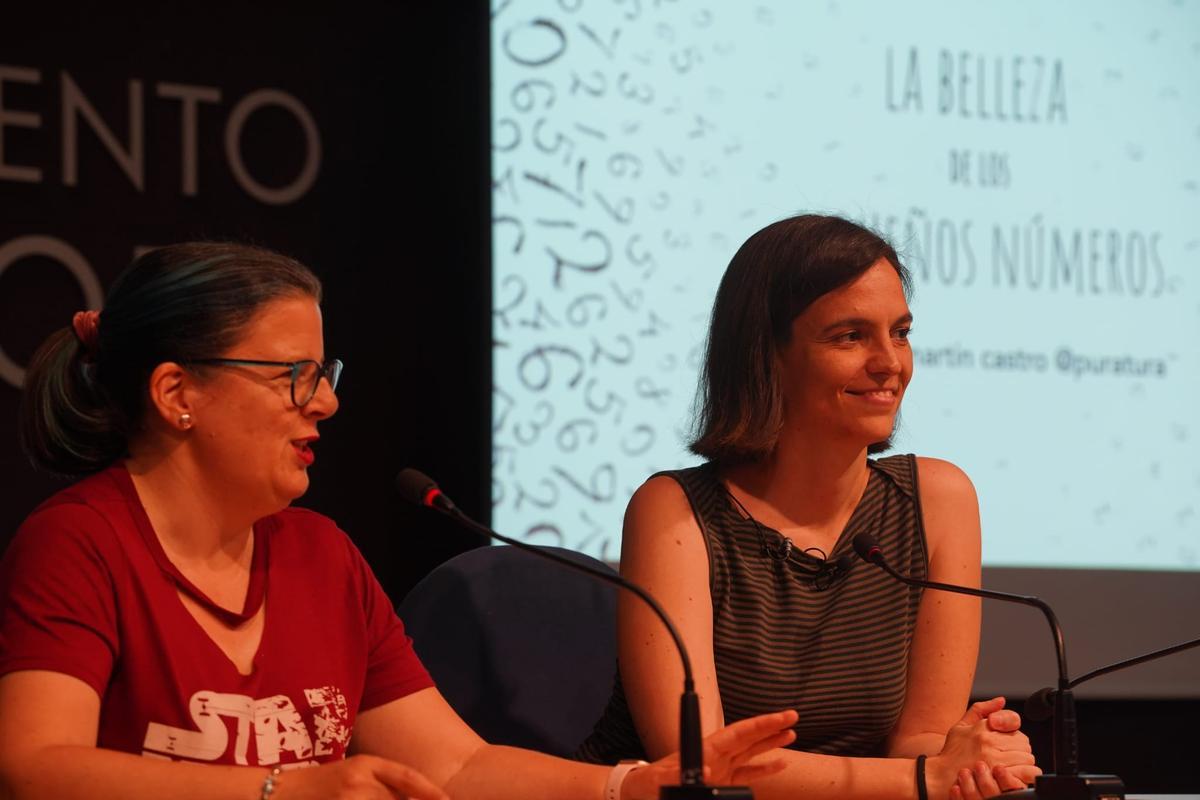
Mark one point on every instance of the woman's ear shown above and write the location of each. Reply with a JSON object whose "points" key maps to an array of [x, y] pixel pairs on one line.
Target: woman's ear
{"points": [[171, 390]]}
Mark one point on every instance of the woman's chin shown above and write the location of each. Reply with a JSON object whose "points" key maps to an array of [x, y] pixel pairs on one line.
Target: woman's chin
{"points": [[876, 438], [293, 489]]}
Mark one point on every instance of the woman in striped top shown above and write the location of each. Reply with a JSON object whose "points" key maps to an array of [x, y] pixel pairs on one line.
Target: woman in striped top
{"points": [[808, 359]]}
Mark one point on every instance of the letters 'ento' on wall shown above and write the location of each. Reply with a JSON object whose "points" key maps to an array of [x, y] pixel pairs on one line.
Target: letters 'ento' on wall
{"points": [[141, 138], [116, 138]]}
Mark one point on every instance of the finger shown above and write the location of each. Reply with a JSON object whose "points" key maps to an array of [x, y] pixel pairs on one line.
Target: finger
{"points": [[748, 733], [731, 765], [956, 793], [979, 711], [1009, 758], [984, 780], [966, 782], [748, 773], [995, 744], [1005, 720], [1006, 780], [763, 724], [1014, 740], [1024, 774], [1018, 742], [782, 739], [407, 781]]}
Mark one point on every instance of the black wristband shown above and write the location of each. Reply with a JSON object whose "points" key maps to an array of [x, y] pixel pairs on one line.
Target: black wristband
{"points": [[922, 789]]}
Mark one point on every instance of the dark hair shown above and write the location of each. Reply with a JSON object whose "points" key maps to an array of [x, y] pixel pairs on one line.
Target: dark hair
{"points": [[773, 277], [177, 303]]}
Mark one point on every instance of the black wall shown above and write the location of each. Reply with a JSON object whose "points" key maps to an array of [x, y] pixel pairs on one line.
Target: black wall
{"points": [[396, 223]]}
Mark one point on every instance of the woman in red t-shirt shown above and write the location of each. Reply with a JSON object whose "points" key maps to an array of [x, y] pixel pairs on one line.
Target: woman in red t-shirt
{"points": [[171, 606]]}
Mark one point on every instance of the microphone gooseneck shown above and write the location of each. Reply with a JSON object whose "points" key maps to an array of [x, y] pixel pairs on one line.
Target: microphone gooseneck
{"points": [[1129, 662], [1066, 748], [1040, 705], [419, 488], [868, 550], [1065, 783]]}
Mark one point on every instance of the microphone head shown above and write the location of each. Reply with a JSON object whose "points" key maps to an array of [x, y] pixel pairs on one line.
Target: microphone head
{"points": [[417, 487], [779, 548], [830, 571], [867, 548]]}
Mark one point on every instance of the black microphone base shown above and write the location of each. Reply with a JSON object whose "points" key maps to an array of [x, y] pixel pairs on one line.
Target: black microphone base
{"points": [[1073, 787], [703, 792]]}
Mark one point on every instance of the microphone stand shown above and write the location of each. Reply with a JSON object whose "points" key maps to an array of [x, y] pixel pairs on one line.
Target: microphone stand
{"points": [[419, 488], [1065, 782], [1040, 705]]}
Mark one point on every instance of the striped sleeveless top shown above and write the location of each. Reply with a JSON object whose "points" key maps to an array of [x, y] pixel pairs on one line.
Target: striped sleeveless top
{"points": [[792, 631]]}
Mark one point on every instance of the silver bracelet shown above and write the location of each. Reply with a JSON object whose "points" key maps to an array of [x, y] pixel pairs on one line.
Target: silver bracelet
{"points": [[612, 789], [269, 785]]}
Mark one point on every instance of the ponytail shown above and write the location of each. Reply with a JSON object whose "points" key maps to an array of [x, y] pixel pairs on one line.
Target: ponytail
{"points": [[67, 426]]}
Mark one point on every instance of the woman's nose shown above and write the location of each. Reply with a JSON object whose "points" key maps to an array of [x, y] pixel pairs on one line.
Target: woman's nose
{"points": [[884, 358], [324, 402]]}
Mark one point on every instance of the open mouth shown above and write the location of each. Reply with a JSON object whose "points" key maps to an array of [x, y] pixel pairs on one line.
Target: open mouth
{"points": [[303, 448]]}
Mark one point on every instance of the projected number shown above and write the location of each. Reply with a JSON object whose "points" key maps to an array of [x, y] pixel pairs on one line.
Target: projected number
{"points": [[593, 136]]}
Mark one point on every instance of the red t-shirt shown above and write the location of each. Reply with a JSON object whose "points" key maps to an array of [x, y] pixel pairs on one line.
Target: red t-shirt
{"points": [[88, 591]]}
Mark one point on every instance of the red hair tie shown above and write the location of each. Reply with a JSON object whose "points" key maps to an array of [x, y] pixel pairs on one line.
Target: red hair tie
{"points": [[87, 330]]}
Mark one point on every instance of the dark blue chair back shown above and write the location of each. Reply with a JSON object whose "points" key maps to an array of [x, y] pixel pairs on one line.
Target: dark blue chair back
{"points": [[522, 648]]}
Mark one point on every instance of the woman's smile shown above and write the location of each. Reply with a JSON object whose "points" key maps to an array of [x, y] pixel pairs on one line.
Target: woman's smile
{"points": [[881, 398]]}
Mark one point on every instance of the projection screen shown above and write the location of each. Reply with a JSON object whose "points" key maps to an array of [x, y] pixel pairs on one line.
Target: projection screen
{"points": [[1036, 165]]}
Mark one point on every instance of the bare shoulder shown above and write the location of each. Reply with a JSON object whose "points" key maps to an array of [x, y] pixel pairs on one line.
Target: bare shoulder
{"points": [[942, 481], [950, 509], [659, 519], [661, 494]]}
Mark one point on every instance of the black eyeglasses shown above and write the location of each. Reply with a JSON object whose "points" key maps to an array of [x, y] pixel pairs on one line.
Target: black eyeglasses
{"points": [[306, 375]]}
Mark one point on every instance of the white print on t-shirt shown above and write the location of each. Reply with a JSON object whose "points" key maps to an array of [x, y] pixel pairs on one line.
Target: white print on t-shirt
{"points": [[329, 718], [277, 725]]}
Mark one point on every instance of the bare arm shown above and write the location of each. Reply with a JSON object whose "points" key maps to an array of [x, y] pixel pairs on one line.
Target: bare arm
{"points": [[443, 747], [945, 645], [48, 724], [423, 731], [663, 550], [415, 747]]}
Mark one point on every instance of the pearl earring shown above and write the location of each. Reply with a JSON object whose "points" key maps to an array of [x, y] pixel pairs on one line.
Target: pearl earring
{"points": [[185, 421]]}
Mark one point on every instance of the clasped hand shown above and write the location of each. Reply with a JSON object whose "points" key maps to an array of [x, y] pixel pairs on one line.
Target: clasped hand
{"points": [[985, 754]]}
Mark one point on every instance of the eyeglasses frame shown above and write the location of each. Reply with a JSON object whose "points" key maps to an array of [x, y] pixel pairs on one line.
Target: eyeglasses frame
{"points": [[330, 370]]}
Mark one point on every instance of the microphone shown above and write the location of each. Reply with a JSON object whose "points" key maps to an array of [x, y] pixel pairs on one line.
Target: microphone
{"points": [[419, 488], [829, 571], [780, 549], [823, 575], [1065, 782], [1040, 705]]}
